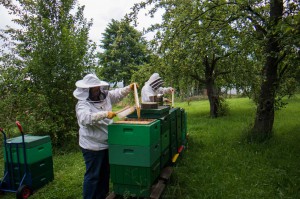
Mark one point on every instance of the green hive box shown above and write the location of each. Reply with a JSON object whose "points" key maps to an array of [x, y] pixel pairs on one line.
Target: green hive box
{"points": [[40, 173], [179, 129], [34, 169], [132, 175], [173, 150], [37, 148], [165, 123], [134, 134], [165, 158], [165, 132], [165, 140], [173, 126], [183, 126], [161, 111], [134, 155]]}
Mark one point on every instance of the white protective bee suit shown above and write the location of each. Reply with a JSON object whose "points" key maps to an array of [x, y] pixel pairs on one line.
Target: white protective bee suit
{"points": [[92, 116], [153, 87]]}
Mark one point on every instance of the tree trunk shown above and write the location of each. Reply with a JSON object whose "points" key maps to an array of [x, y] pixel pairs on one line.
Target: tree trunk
{"points": [[212, 91], [264, 120], [213, 97]]}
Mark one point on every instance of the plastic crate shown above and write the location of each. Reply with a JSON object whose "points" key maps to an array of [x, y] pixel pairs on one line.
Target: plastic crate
{"points": [[134, 134], [133, 175]]}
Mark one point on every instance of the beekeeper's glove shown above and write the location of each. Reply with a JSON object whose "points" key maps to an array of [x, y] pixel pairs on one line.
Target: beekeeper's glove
{"points": [[110, 114], [132, 86]]}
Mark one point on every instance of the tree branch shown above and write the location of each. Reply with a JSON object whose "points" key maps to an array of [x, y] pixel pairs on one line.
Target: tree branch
{"points": [[248, 8], [281, 58], [258, 27], [196, 77], [281, 73], [222, 73]]}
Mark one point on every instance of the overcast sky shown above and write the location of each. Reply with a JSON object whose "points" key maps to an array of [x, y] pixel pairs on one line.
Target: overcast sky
{"points": [[102, 12]]}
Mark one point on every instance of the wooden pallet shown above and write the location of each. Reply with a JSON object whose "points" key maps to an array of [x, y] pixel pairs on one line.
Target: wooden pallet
{"points": [[157, 188]]}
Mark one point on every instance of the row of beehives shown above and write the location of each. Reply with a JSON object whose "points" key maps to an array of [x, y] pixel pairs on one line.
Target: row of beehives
{"points": [[140, 148]]}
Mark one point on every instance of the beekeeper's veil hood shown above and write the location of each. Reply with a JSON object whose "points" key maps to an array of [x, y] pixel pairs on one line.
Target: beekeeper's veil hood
{"points": [[89, 81], [155, 81]]}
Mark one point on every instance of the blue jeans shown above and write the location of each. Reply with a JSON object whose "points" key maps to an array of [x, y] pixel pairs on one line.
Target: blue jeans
{"points": [[96, 177]]}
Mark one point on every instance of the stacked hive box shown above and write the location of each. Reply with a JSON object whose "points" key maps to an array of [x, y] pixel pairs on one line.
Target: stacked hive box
{"points": [[38, 158], [174, 122], [165, 140], [183, 127], [135, 162], [134, 155], [173, 132], [161, 113]]}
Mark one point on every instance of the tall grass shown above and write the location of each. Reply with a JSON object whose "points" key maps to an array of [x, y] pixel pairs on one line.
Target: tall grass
{"points": [[218, 162]]}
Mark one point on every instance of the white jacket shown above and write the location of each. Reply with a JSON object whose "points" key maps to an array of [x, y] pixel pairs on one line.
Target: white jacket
{"points": [[92, 118], [147, 91]]}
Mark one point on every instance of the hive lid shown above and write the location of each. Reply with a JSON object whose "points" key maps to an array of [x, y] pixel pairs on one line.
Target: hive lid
{"points": [[30, 140]]}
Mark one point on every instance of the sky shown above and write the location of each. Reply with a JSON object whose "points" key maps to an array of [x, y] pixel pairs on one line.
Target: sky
{"points": [[102, 12]]}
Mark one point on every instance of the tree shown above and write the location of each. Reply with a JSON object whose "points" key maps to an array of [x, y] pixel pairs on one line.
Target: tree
{"points": [[273, 29], [49, 53], [195, 47], [124, 51], [269, 26]]}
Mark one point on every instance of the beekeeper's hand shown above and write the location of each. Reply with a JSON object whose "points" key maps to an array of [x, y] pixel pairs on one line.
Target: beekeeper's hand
{"points": [[111, 115], [132, 86], [167, 100]]}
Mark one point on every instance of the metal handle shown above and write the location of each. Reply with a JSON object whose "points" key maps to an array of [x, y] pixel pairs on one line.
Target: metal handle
{"points": [[2, 131], [19, 126]]}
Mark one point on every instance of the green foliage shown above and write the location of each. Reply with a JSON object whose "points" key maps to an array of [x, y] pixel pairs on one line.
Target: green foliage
{"points": [[125, 50], [49, 53]]}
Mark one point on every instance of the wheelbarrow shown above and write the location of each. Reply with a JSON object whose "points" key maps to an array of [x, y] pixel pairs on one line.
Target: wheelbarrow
{"points": [[14, 181]]}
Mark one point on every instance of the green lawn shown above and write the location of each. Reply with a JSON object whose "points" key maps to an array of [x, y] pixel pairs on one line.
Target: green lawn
{"points": [[218, 162]]}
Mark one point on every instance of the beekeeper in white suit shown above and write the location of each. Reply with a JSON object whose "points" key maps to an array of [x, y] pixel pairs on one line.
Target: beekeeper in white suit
{"points": [[153, 87], [94, 113]]}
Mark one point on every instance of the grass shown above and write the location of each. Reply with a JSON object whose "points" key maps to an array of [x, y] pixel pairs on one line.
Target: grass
{"points": [[218, 162]]}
